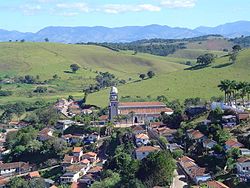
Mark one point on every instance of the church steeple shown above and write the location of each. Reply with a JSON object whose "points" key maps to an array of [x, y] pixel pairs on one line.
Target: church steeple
{"points": [[113, 105]]}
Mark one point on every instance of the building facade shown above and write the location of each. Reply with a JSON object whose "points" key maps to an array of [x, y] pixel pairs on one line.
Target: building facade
{"points": [[138, 112]]}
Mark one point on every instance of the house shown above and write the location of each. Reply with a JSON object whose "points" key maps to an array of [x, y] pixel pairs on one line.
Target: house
{"points": [[173, 147], [34, 174], [209, 143], [73, 173], [67, 161], [64, 124], [244, 151], [141, 139], [138, 129], [233, 144], [78, 153], [196, 173], [216, 184], [196, 135], [143, 151], [91, 156], [91, 138], [45, 134], [165, 132], [229, 121], [3, 182], [92, 175], [243, 116], [243, 167], [8, 169], [72, 139]]}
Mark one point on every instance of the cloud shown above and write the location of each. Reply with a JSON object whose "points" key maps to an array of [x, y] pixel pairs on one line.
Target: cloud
{"points": [[82, 7], [120, 8], [69, 14], [30, 9], [178, 3]]}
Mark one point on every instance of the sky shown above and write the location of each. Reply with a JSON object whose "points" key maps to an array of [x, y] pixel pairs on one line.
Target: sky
{"points": [[33, 15]]}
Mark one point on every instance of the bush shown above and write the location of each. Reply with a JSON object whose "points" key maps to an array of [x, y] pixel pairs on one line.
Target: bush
{"points": [[5, 93]]}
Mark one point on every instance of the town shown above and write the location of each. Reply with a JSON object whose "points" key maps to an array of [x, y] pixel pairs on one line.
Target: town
{"points": [[129, 144]]}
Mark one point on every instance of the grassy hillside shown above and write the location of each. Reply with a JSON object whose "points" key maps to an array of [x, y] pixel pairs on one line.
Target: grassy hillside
{"points": [[214, 45], [48, 59], [185, 83]]}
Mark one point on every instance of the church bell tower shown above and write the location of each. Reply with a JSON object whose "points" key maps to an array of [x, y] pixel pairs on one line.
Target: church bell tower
{"points": [[113, 104]]}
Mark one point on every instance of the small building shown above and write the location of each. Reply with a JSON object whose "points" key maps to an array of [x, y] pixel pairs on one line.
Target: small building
{"points": [[91, 156], [73, 173], [216, 184], [141, 139], [78, 153], [138, 129], [196, 135], [64, 124], [144, 151], [67, 161], [91, 138], [209, 143], [173, 147], [243, 167], [233, 144], [196, 173], [229, 121], [243, 116], [34, 174], [244, 151], [9, 169], [45, 134], [73, 139]]}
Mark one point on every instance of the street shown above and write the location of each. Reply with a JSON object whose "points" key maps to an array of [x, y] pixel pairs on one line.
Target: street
{"points": [[179, 180]]}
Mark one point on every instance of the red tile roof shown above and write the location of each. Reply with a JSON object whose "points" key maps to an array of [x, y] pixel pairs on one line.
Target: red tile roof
{"points": [[233, 143], [243, 159], [153, 110], [67, 159], [147, 149], [34, 174], [91, 154], [141, 136], [186, 159], [216, 184], [77, 149], [95, 169], [141, 104]]}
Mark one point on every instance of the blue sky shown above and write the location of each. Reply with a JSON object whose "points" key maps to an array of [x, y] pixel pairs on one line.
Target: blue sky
{"points": [[33, 15]]}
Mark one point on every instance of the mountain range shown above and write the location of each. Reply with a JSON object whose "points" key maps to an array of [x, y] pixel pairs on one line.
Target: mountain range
{"points": [[124, 34]]}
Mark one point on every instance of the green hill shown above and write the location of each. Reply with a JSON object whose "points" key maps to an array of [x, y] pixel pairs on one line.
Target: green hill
{"points": [[48, 59], [172, 80], [185, 83]]}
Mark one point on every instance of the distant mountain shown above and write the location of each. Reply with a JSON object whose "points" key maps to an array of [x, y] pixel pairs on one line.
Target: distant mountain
{"points": [[230, 30], [124, 34]]}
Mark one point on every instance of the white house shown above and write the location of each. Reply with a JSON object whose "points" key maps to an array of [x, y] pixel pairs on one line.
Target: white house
{"points": [[243, 166], [8, 169], [73, 173], [209, 143], [244, 151], [141, 139], [143, 151], [64, 124]]}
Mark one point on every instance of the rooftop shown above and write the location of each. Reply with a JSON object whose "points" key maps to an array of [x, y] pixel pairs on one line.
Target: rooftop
{"points": [[147, 149], [216, 184]]}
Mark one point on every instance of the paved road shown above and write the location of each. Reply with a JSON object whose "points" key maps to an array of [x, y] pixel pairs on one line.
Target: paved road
{"points": [[179, 180]]}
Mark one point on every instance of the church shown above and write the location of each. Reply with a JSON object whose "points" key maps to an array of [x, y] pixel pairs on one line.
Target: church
{"points": [[140, 111]]}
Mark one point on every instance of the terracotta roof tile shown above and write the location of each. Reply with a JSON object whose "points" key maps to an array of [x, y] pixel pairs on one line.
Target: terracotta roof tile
{"points": [[34, 174], [233, 143], [147, 149], [77, 149], [141, 136], [216, 184], [243, 159], [141, 104]]}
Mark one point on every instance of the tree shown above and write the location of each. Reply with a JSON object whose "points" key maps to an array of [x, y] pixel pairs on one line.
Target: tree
{"points": [[18, 182], [151, 74], [46, 40], [205, 59], [233, 57], [40, 89], [225, 85], [157, 169], [142, 76], [74, 67], [236, 48]]}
